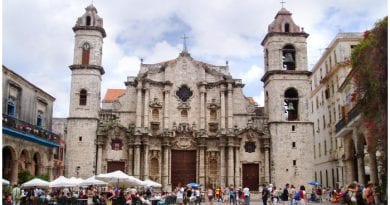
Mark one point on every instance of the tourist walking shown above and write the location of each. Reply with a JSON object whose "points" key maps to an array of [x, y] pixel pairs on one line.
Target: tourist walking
{"points": [[246, 195], [16, 195], [265, 194]]}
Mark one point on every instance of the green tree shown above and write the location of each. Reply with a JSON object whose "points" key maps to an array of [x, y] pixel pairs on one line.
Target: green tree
{"points": [[369, 73]]}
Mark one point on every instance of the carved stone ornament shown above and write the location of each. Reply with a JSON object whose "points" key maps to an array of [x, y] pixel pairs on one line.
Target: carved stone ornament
{"points": [[183, 143], [155, 103]]}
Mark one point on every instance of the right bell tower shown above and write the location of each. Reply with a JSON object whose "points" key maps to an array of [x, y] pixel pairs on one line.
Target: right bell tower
{"points": [[287, 91]]}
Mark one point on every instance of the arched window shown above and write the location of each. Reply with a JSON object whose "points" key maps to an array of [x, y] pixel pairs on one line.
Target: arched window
{"points": [[155, 114], [83, 97], [11, 108], [266, 58], [291, 104], [88, 21], [287, 27], [86, 51], [288, 57]]}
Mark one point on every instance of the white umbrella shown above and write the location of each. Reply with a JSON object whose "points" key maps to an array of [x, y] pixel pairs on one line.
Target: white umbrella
{"points": [[5, 182], [75, 181], [62, 181], [151, 183], [119, 178], [92, 181], [36, 182]]}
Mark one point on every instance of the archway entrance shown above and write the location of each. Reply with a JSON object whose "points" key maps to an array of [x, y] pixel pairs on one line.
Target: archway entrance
{"points": [[183, 167], [7, 163]]}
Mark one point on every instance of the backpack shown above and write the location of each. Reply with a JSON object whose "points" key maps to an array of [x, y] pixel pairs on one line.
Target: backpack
{"points": [[297, 195]]}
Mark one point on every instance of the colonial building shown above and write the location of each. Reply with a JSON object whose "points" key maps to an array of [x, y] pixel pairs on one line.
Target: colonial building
{"points": [[28, 143], [184, 120], [328, 107]]}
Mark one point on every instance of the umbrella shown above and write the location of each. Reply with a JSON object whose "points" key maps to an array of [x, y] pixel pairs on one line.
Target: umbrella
{"points": [[62, 181], [119, 178], [151, 183], [92, 181], [314, 183], [193, 184], [5, 182], [36, 182]]}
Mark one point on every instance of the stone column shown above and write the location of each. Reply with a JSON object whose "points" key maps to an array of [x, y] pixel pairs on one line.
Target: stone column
{"points": [[202, 168], [202, 108], [166, 107], [223, 165], [359, 147], [146, 160], [137, 158], [237, 163], [138, 111], [99, 158], [266, 163], [230, 166], [146, 106], [130, 160], [15, 171], [230, 106], [349, 171], [223, 108], [165, 163]]}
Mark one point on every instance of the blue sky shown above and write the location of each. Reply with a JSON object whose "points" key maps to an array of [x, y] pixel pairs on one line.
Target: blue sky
{"points": [[38, 38]]}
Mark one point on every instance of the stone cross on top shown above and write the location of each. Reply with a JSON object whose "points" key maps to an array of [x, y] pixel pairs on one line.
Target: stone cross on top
{"points": [[282, 2], [184, 43]]}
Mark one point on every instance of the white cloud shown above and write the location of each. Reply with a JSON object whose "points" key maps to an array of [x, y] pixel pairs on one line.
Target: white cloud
{"points": [[253, 74]]}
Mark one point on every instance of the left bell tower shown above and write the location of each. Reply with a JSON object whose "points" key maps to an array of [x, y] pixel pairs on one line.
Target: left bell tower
{"points": [[84, 104]]}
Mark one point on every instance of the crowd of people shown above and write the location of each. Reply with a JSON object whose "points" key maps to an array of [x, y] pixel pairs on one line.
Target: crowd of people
{"points": [[353, 194]]}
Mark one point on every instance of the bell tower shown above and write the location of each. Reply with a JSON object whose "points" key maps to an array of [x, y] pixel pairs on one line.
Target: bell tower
{"points": [[85, 94], [287, 89]]}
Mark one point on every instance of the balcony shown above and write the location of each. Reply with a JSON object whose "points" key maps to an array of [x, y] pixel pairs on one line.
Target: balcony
{"points": [[351, 116], [24, 130]]}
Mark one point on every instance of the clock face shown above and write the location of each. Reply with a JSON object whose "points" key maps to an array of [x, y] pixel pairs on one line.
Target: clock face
{"points": [[86, 46], [250, 108]]}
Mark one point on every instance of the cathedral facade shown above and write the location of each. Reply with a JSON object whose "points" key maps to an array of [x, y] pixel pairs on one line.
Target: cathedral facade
{"points": [[184, 120]]}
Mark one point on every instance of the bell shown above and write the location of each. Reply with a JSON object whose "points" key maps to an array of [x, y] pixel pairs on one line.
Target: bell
{"points": [[290, 107], [288, 59]]}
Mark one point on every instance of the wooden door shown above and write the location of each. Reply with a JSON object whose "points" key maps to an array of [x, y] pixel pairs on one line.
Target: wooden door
{"points": [[183, 167], [250, 176], [116, 165]]}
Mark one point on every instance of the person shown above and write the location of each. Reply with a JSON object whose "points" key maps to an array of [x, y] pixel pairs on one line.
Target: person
{"points": [[275, 196], [197, 195], [90, 195], [265, 194], [292, 194], [302, 194], [210, 195], [246, 195], [179, 195], [232, 196], [369, 194], [16, 195], [225, 193], [110, 195], [284, 195]]}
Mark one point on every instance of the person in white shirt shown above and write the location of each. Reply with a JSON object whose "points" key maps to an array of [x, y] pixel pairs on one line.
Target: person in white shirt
{"points": [[246, 195], [180, 195]]}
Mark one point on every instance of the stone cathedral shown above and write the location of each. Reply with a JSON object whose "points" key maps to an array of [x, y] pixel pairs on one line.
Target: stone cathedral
{"points": [[184, 120]]}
